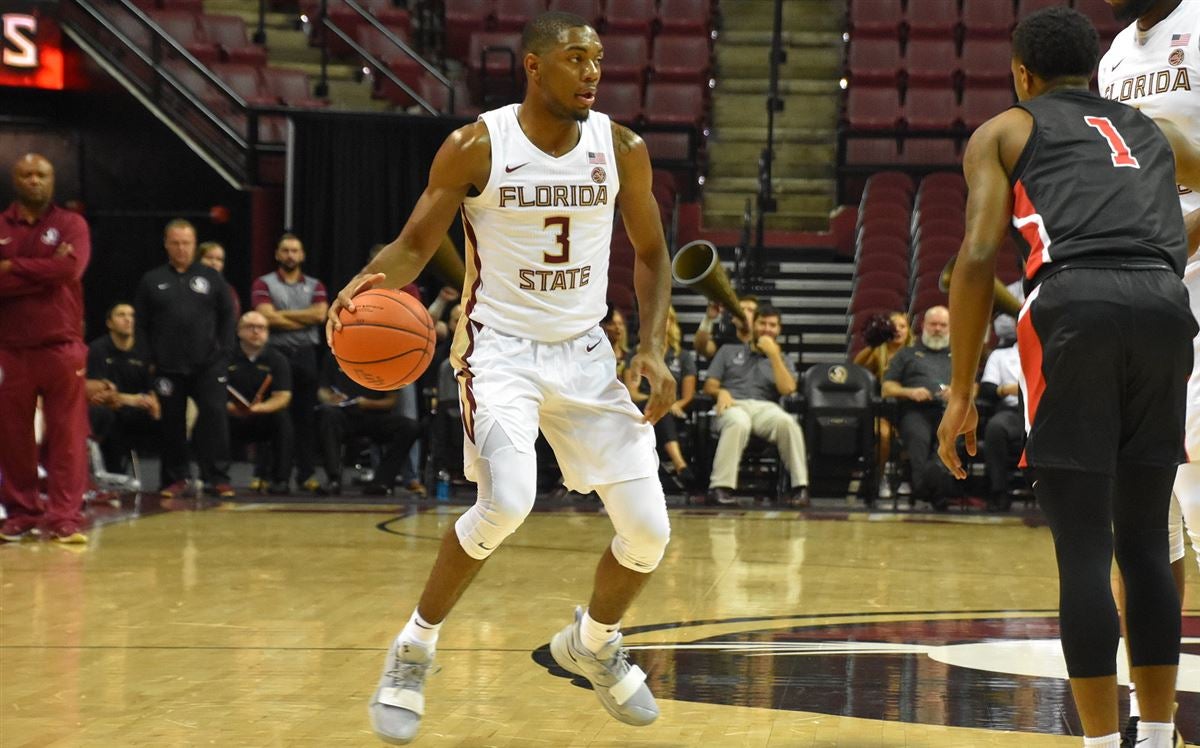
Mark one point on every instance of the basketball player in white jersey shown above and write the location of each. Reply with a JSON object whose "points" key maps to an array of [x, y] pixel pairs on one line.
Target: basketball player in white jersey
{"points": [[537, 183], [1154, 65]]}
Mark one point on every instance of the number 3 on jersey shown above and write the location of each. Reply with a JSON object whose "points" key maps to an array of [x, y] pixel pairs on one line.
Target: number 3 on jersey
{"points": [[1120, 150], [563, 238]]}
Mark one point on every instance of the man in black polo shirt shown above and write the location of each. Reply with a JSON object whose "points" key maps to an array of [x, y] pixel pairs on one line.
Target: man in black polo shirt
{"points": [[260, 390], [918, 376], [185, 316], [125, 411], [349, 410]]}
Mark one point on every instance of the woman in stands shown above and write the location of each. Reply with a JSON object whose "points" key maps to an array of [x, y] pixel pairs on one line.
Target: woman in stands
{"points": [[885, 335]]}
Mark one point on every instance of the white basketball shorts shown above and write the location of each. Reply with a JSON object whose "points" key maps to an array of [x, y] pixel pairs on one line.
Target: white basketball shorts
{"points": [[570, 391]]}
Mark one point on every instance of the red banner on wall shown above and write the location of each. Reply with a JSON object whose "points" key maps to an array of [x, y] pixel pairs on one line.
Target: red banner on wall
{"points": [[31, 53]]}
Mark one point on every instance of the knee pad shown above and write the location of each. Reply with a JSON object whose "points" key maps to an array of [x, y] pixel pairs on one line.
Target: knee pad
{"points": [[638, 511], [507, 489]]}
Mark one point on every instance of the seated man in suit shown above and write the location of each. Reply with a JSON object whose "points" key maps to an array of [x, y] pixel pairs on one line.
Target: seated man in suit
{"points": [[122, 406], [260, 389], [747, 379], [349, 410]]}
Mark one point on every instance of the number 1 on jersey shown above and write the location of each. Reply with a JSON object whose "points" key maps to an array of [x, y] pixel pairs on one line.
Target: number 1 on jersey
{"points": [[564, 240], [1120, 150]]}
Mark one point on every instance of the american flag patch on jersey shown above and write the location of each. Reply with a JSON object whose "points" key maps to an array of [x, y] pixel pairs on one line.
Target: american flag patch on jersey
{"points": [[1180, 40], [598, 158]]}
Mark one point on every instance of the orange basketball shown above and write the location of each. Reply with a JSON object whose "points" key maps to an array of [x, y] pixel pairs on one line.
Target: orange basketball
{"points": [[388, 342]]}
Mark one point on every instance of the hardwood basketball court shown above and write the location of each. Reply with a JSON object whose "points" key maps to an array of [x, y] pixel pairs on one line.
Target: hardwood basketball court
{"points": [[266, 624]]}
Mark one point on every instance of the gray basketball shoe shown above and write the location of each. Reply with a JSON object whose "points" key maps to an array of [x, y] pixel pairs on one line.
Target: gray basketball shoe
{"points": [[399, 702], [620, 686]]}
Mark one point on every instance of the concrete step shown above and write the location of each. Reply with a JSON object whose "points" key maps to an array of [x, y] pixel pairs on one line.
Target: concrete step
{"points": [[759, 86], [753, 61], [810, 161], [783, 187], [783, 134], [719, 218], [798, 15], [743, 110]]}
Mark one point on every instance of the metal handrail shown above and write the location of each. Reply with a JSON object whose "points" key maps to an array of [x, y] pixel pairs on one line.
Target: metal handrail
{"points": [[384, 69]]}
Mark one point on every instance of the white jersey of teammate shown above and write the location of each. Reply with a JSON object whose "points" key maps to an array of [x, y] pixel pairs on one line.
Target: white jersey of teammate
{"points": [[539, 234], [1158, 72]]}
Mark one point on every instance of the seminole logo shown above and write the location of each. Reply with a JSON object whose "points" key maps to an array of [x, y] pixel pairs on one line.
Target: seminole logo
{"points": [[1176, 57], [993, 670]]}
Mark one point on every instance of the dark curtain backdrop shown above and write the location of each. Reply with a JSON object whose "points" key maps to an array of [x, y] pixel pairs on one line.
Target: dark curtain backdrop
{"points": [[355, 180]]}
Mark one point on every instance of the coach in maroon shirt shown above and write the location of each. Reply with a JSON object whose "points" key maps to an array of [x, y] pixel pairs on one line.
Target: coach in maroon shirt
{"points": [[44, 250]]}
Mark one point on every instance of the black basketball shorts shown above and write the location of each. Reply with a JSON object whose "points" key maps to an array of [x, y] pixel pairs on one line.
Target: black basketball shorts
{"points": [[1105, 356]]}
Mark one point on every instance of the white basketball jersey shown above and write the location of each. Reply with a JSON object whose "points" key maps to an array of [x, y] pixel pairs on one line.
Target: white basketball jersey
{"points": [[538, 236], [1158, 72]]}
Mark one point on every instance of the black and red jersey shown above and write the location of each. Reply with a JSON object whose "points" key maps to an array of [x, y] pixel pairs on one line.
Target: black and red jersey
{"points": [[1095, 185]]}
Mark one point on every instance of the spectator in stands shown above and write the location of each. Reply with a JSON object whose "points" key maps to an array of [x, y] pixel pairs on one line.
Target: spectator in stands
{"points": [[184, 315], [1004, 435], [614, 327], [885, 335], [347, 411], [747, 380], [42, 259], [918, 376], [683, 367], [123, 408], [260, 389], [212, 254], [445, 298], [717, 329], [1004, 325], [294, 305]]}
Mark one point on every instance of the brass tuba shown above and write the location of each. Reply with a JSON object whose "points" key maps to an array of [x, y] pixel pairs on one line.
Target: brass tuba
{"points": [[697, 266], [1003, 302]]}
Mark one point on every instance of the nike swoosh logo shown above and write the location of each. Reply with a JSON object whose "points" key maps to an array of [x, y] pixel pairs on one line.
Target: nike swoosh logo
{"points": [[5, 240], [511, 169], [1117, 64], [592, 346]]}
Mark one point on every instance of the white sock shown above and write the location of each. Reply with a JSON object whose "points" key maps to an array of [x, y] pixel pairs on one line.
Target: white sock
{"points": [[594, 634], [1156, 734], [1108, 741], [1134, 709], [421, 631]]}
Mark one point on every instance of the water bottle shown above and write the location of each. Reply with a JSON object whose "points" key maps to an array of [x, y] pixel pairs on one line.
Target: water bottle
{"points": [[442, 490]]}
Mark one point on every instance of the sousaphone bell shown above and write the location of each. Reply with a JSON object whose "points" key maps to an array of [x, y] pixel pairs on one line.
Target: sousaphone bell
{"points": [[697, 266]]}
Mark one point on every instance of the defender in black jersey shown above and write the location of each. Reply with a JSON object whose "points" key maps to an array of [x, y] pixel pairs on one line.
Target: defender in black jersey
{"points": [[1105, 343]]}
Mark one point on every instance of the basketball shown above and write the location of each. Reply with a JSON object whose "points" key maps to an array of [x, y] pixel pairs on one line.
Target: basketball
{"points": [[387, 342]]}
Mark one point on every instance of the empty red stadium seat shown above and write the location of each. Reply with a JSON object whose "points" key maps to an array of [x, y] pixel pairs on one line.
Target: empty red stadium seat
{"points": [[631, 16], [872, 151], [674, 104], [621, 100], [685, 59], [183, 6], [882, 194], [229, 34], [937, 151], [432, 90], [930, 109], [877, 297], [246, 82], [512, 15], [883, 245], [874, 208], [1101, 15], [870, 18], [1026, 7], [292, 87], [184, 27], [931, 62], [869, 108], [891, 179], [589, 10], [981, 104], [874, 61], [626, 57], [463, 19], [986, 20], [685, 16], [494, 62], [944, 179], [985, 62], [931, 18], [378, 45]]}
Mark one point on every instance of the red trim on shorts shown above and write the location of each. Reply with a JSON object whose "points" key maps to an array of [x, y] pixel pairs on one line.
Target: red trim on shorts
{"points": [[1023, 208], [1029, 347], [465, 375]]}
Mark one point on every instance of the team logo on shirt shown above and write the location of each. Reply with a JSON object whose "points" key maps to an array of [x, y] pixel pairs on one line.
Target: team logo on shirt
{"points": [[1176, 57], [198, 284], [163, 386], [599, 175], [51, 236]]}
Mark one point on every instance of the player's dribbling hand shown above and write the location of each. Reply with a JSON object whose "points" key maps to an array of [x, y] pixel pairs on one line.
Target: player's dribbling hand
{"points": [[960, 418], [662, 384], [345, 300]]}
